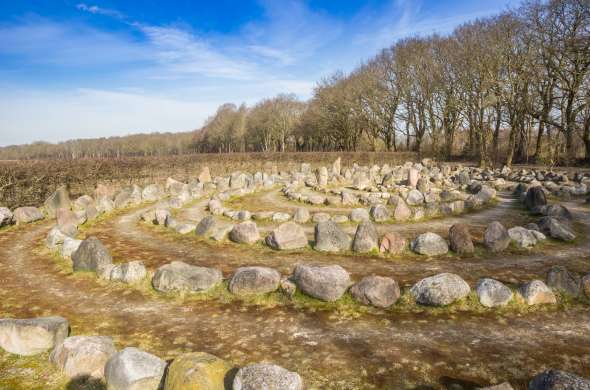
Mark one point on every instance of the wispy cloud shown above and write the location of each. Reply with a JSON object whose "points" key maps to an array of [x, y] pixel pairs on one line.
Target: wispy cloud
{"points": [[94, 9]]}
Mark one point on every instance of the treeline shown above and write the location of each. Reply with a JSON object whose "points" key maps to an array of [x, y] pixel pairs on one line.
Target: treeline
{"points": [[136, 145], [513, 87]]}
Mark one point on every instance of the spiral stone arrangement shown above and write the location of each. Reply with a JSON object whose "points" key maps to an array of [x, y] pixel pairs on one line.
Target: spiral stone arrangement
{"points": [[387, 244]]}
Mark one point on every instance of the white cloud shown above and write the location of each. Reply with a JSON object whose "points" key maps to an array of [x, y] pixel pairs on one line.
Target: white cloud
{"points": [[94, 9]]}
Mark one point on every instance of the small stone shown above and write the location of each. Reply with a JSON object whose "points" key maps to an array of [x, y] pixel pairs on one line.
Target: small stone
{"points": [[365, 238], [560, 279], [393, 243], [197, 371], [555, 229], [266, 377], [536, 292], [496, 237], [359, 215], [91, 255], [492, 293], [287, 236], [32, 336], [460, 239], [376, 291], [380, 213], [27, 215], [440, 290], [81, 356], [254, 280], [330, 238], [134, 369], [245, 233], [179, 276], [327, 283], [430, 244], [522, 238], [129, 273], [301, 215]]}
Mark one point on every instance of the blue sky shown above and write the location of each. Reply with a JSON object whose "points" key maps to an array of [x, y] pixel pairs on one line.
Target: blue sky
{"points": [[71, 69]]}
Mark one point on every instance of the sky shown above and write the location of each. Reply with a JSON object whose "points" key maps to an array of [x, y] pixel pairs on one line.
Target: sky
{"points": [[71, 69]]}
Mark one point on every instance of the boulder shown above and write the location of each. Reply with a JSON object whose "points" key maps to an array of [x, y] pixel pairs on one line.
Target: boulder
{"points": [[151, 193], [557, 211], [206, 225], [27, 215], [536, 292], [327, 283], [402, 212], [485, 194], [330, 238], [348, 198], [380, 213], [104, 205], [69, 246], [558, 380], [535, 198], [359, 215], [288, 235], [301, 215], [129, 273], [91, 255], [254, 280], [460, 239], [430, 244], [413, 176], [555, 229], [32, 336], [6, 216], [376, 291], [496, 237], [184, 228], [81, 356], [266, 377], [54, 238], [179, 276], [245, 232], [197, 371], [134, 369], [560, 279], [522, 238], [365, 238], [423, 185], [59, 199], [415, 198], [288, 287], [440, 290], [393, 243], [492, 293]]}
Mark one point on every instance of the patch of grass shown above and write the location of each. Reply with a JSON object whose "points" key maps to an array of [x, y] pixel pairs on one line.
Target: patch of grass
{"points": [[31, 372]]}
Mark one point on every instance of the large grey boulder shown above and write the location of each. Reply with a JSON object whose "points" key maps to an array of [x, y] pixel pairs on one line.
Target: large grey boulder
{"points": [[27, 215], [558, 380], [131, 272], [179, 276], [460, 239], [440, 290], [81, 356], [535, 198], [556, 229], [557, 211], [69, 246], [33, 335], [329, 237], [245, 232], [430, 244], [6, 216], [206, 225], [91, 255], [562, 280], [134, 369], [359, 215], [492, 293], [496, 237], [254, 280], [286, 236], [266, 377], [376, 291], [536, 292], [59, 199], [415, 198], [522, 238], [365, 238], [380, 213], [327, 283]]}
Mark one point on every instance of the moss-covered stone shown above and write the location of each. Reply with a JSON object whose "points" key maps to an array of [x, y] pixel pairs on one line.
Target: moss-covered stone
{"points": [[197, 371]]}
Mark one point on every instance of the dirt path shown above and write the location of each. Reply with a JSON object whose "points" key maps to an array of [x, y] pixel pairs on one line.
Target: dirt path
{"points": [[376, 350]]}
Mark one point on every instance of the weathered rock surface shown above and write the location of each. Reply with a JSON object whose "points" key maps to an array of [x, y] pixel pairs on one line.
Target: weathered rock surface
{"points": [[359, 215], [27, 215], [286, 236], [266, 377], [69, 246], [365, 238], [496, 237], [430, 244], [330, 238], [179, 276], [376, 291], [536, 292], [32, 336], [254, 280], [380, 213], [393, 243], [301, 215], [460, 239], [535, 198], [91, 255], [492, 293], [6, 216], [134, 369], [440, 290], [245, 232], [197, 371], [54, 238], [131, 272], [59, 199], [327, 283], [555, 229], [522, 238], [562, 280], [558, 380], [81, 356]]}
